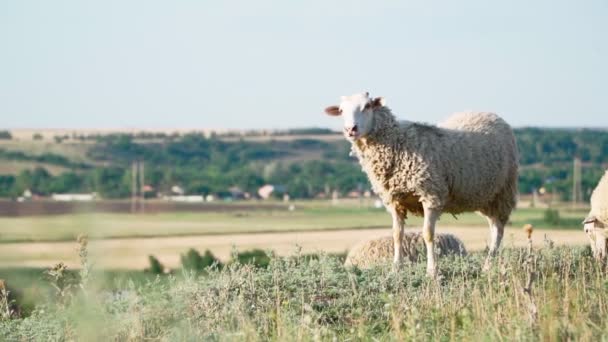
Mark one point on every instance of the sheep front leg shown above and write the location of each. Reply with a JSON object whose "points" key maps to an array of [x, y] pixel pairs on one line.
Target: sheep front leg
{"points": [[398, 222], [428, 232], [497, 229], [590, 231], [600, 244]]}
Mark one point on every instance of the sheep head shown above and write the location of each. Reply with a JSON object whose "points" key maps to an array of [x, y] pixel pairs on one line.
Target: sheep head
{"points": [[597, 236], [357, 111]]}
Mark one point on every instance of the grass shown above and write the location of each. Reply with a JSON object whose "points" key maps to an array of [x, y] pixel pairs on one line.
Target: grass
{"points": [[308, 216], [13, 167], [304, 299], [30, 286]]}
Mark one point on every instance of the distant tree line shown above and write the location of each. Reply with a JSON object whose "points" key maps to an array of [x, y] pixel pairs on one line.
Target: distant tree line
{"points": [[548, 146], [306, 167]]}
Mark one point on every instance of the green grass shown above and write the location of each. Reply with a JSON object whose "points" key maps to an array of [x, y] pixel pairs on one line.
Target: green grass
{"points": [[305, 299], [30, 287], [306, 217]]}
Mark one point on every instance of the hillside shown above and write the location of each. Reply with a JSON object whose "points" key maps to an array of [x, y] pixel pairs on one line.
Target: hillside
{"points": [[306, 161]]}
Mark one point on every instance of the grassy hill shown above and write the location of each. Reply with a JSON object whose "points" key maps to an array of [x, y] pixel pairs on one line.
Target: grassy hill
{"points": [[538, 294]]}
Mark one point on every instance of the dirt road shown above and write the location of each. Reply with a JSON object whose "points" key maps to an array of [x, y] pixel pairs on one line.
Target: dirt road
{"points": [[133, 253]]}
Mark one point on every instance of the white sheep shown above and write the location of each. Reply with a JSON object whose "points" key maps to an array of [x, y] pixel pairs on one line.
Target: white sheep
{"points": [[597, 219], [378, 251], [467, 163]]}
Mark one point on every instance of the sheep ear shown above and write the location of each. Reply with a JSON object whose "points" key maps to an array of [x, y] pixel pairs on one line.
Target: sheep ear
{"points": [[378, 102], [333, 110], [589, 219]]}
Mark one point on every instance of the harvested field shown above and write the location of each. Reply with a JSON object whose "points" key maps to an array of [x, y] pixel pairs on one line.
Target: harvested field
{"points": [[132, 253]]}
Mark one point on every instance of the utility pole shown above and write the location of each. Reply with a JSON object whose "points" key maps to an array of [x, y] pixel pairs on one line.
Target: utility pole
{"points": [[577, 191], [133, 187], [137, 187], [141, 186]]}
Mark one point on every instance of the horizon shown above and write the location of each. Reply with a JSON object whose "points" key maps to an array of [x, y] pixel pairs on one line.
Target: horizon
{"points": [[231, 130]]}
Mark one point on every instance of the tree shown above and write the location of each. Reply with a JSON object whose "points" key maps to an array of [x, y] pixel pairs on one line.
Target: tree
{"points": [[5, 135], [7, 186]]}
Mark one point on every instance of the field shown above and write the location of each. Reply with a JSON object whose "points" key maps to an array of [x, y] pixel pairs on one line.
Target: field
{"points": [[124, 241]]}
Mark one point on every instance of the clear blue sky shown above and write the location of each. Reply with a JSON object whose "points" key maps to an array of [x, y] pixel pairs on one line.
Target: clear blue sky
{"points": [[277, 64]]}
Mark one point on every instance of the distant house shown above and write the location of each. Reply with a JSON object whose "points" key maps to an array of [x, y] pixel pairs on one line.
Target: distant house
{"points": [[353, 194], [185, 199], [267, 190], [74, 197], [176, 189], [236, 193]]}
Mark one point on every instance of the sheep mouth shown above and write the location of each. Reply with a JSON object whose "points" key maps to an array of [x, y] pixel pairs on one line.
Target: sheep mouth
{"points": [[352, 135]]}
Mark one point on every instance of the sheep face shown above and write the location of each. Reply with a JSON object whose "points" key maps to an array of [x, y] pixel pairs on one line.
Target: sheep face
{"points": [[358, 112], [597, 237]]}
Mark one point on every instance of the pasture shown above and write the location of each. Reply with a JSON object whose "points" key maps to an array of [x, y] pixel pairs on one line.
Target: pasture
{"points": [[299, 298]]}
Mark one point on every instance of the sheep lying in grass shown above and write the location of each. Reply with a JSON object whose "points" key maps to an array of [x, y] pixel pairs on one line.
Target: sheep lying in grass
{"points": [[381, 250], [597, 219], [467, 163]]}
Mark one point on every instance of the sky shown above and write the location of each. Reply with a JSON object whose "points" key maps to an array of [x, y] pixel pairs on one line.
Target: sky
{"points": [[278, 64]]}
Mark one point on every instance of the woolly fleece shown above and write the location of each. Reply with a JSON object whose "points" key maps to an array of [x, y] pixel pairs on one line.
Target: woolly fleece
{"points": [[467, 163], [599, 200], [378, 251]]}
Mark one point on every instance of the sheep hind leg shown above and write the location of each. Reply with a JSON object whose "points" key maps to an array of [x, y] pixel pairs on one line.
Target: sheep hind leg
{"points": [[428, 232], [398, 223], [497, 229]]}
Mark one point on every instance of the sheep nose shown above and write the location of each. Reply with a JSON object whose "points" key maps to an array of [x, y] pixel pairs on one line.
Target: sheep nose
{"points": [[351, 131]]}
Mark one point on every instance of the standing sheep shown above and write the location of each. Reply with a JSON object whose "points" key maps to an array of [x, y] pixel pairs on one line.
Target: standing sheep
{"points": [[381, 250], [597, 219], [467, 163]]}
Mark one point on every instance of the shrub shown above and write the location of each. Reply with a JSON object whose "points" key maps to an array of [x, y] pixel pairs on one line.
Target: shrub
{"points": [[5, 135], [155, 265], [256, 257], [552, 216], [193, 261]]}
